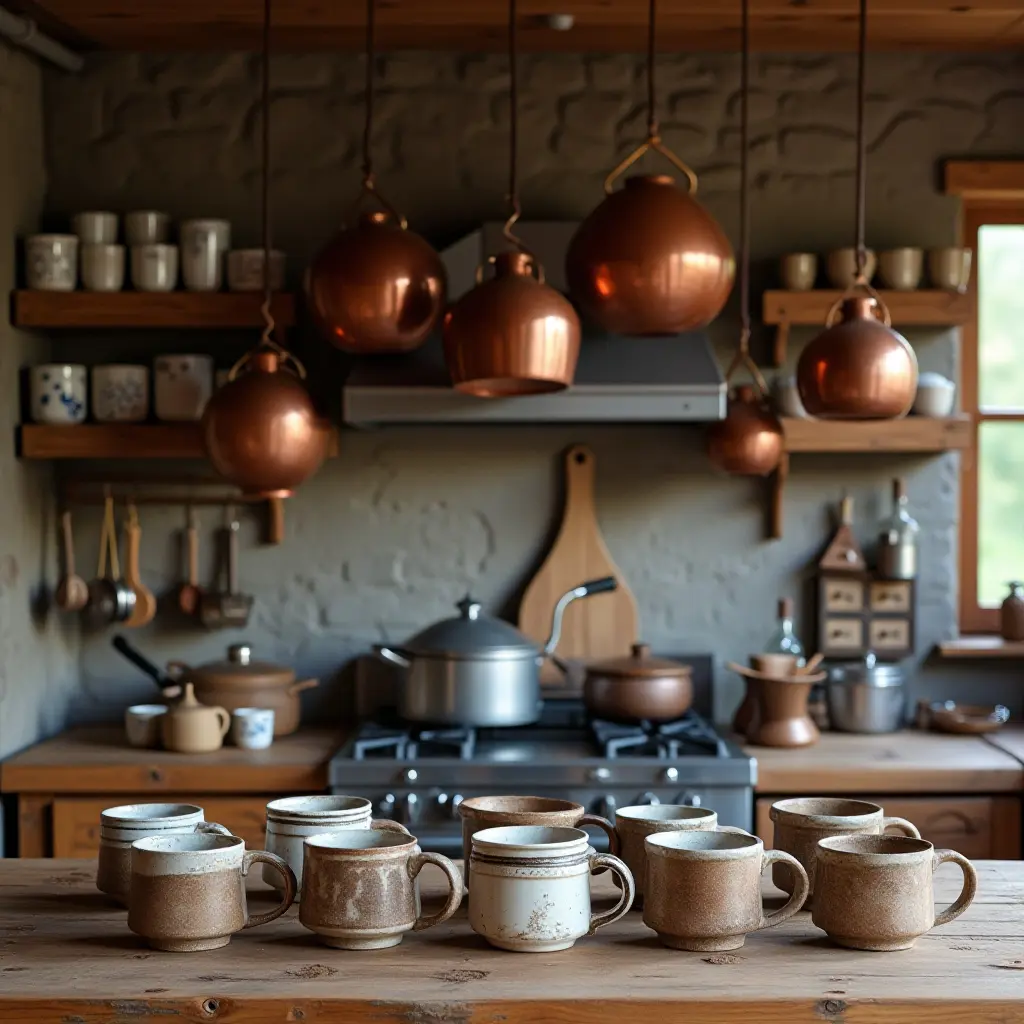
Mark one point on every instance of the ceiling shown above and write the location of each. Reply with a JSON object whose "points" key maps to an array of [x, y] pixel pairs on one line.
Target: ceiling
{"points": [[478, 25]]}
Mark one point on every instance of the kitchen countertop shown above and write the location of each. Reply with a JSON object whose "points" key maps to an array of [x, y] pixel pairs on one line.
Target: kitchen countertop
{"points": [[905, 762], [1009, 739], [67, 956]]}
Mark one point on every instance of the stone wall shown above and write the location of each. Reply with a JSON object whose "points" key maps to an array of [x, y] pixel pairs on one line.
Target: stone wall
{"points": [[38, 659], [396, 528]]}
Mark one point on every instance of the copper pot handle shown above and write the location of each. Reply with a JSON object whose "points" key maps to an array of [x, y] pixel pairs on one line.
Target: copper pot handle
{"points": [[370, 189], [862, 284], [283, 355], [305, 684], [742, 358], [535, 266], [654, 142]]}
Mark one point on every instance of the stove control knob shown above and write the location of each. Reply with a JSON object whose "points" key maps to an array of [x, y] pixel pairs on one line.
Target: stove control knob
{"points": [[606, 807], [648, 798], [599, 774], [688, 799], [386, 807], [410, 775], [670, 775], [455, 803], [410, 808]]}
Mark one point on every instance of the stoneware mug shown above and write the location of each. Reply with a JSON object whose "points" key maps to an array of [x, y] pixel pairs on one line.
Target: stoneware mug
{"points": [[841, 266], [901, 269], [146, 227], [58, 393], [103, 267], [120, 393], [202, 258], [531, 887], [95, 227], [245, 270], [154, 267], [293, 819], [188, 892], [480, 812], [798, 271], [949, 268], [182, 386], [704, 888], [142, 724], [121, 826], [875, 892], [51, 262], [361, 890], [252, 728], [802, 821]]}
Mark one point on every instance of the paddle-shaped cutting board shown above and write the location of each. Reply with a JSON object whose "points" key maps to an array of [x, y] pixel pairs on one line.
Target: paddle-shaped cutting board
{"points": [[602, 626]]}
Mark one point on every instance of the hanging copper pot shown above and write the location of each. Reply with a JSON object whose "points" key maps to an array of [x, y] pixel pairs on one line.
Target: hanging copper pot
{"points": [[377, 287], [512, 334], [858, 368], [650, 259], [261, 430], [749, 441]]}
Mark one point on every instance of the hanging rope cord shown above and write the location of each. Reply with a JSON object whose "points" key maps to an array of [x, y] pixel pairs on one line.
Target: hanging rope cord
{"points": [[269, 325]]}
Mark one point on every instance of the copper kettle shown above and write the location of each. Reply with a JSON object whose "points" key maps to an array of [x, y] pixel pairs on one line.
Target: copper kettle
{"points": [[749, 441], [858, 368]]}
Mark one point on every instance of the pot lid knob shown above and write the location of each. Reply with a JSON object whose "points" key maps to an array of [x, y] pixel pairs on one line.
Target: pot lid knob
{"points": [[239, 654], [641, 651], [469, 608]]}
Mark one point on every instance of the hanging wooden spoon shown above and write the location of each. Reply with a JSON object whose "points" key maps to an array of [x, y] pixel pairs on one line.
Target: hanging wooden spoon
{"points": [[145, 600], [811, 665], [190, 593], [72, 591]]}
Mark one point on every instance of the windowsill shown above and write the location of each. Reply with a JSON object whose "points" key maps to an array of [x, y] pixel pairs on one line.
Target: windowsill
{"points": [[981, 646]]}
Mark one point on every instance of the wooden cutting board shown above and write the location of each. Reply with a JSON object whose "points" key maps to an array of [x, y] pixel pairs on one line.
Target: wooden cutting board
{"points": [[602, 626]]}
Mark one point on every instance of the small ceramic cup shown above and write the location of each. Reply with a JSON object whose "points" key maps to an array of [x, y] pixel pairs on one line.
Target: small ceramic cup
{"points": [[121, 826], [58, 393], [798, 271], [188, 891], [875, 892], [901, 269], [95, 227], [293, 819], [154, 267], [182, 387], [361, 891], [51, 262], [252, 728], [142, 724], [704, 888], [841, 267], [146, 227], [245, 270], [216, 230], [202, 257], [949, 268], [936, 395], [801, 822], [531, 887], [120, 393], [103, 267]]}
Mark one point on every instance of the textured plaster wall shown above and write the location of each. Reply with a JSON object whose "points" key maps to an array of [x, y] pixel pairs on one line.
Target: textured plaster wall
{"points": [[398, 527], [38, 660]]}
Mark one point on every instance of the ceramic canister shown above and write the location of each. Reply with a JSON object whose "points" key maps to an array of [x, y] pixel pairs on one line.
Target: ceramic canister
{"points": [[58, 393], [121, 826], [531, 887], [120, 393], [182, 386], [293, 819], [245, 270], [52, 262]]}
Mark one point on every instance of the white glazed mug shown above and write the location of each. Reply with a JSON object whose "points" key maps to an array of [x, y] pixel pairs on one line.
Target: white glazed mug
{"points": [[245, 270], [202, 258], [182, 387], [293, 819], [103, 267], [120, 393], [146, 227], [155, 267], [58, 393], [142, 724], [51, 262], [123, 825], [95, 227], [531, 887], [252, 728]]}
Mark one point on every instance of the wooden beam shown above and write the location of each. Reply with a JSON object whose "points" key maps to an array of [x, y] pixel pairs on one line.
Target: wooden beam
{"points": [[985, 180]]}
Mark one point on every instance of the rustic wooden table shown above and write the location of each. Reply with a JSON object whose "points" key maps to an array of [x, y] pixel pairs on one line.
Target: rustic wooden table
{"points": [[67, 957]]}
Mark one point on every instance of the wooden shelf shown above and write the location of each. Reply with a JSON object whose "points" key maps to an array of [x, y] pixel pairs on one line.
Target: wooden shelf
{"points": [[215, 310], [981, 647], [911, 434], [928, 308]]}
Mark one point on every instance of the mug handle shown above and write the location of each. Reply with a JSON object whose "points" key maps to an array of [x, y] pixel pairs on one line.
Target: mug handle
{"points": [[214, 827], [225, 721], [966, 897], [415, 866], [798, 895], [605, 826], [287, 876], [607, 860], [908, 828], [387, 825]]}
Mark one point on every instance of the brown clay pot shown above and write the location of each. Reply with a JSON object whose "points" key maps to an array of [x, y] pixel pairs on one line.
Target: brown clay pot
{"points": [[748, 442], [784, 719], [1011, 614], [748, 714], [638, 687]]}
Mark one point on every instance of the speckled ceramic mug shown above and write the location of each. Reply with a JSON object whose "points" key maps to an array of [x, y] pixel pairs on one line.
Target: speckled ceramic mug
{"points": [[360, 889]]}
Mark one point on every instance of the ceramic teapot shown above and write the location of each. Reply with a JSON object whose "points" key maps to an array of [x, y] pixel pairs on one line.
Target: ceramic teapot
{"points": [[189, 727]]}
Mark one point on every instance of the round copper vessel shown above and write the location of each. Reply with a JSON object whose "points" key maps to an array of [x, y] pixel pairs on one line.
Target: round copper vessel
{"points": [[858, 368], [748, 442], [261, 430], [377, 287], [512, 334], [650, 260]]}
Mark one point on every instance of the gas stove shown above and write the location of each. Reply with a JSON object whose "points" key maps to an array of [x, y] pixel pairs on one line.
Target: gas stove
{"points": [[420, 776]]}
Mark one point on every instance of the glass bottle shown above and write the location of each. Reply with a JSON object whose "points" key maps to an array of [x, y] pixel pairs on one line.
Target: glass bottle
{"points": [[897, 539], [784, 640]]}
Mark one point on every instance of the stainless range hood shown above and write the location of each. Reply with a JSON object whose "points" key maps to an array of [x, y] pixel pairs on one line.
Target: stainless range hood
{"points": [[618, 380]]}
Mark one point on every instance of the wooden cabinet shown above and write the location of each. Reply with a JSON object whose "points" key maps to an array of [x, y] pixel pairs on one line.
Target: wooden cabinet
{"points": [[979, 827]]}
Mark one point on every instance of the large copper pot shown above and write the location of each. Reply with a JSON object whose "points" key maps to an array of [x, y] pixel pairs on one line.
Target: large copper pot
{"points": [[638, 687], [377, 287], [749, 441], [512, 334], [650, 260], [261, 430], [858, 368]]}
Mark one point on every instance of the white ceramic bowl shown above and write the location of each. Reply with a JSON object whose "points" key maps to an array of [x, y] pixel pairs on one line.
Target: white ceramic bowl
{"points": [[935, 397]]}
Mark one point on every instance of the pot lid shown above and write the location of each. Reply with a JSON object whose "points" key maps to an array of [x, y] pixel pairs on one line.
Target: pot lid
{"points": [[471, 634], [640, 663], [241, 667]]}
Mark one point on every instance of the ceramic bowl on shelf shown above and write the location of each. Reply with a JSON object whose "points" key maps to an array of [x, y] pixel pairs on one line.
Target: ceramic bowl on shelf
{"points": [[58, 393], [935, 395]]}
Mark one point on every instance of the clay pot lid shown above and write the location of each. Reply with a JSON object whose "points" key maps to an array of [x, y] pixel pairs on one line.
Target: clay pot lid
{"points": [[240, 668], [640, 663]]}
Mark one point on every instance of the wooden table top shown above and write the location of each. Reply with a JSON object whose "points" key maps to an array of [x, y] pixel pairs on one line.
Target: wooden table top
{"points": [[97, 759], [1009, 739], [904, 762], [67, 957]]}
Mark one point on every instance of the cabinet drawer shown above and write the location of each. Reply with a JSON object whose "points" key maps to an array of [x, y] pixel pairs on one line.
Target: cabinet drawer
{"points": [[985, 828], [890, 597], [844, 595], [76, 821]]}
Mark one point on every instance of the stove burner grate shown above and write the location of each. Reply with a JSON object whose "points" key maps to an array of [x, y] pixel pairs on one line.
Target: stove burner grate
{"points": [[665, 740], [405, 744]]}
